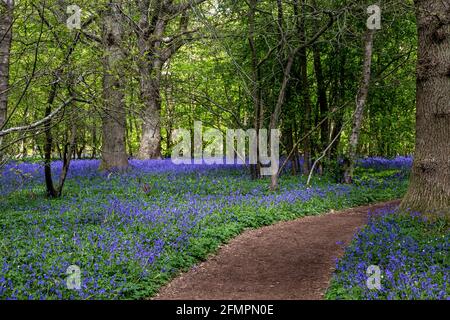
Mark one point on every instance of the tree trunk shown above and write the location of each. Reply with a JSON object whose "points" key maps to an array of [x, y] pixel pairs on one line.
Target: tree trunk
{"points": [[338, 100], [6, 21], [258, 111], [51, 191], [153, 53], [150, 146], [114, 155], [69, 149], [304, 87], [150, 65], [291, 147], [349, 161], [429, 190], [322, 97], [94, 141]]}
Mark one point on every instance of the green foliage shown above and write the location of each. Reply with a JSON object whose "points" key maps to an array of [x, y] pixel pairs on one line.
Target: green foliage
{"points": [[209, 79]]}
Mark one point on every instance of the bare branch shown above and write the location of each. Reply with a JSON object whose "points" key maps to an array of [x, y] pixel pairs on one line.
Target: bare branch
{"points": [[37, 123]]}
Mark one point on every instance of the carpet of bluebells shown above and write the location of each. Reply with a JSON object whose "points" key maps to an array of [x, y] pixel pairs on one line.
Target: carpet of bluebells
{"points": [[130, 233], [411, 252]]}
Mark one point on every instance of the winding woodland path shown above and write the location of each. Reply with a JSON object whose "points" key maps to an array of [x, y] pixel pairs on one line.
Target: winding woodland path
{"points": [[286, 261]]}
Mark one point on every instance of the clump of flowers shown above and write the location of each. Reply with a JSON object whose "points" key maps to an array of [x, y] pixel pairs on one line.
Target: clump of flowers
{"points": [[381, 163], [411, 252], [129, 233]]}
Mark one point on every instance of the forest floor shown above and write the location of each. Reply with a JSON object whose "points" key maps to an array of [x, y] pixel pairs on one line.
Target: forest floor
{"points": [[286, 261]]}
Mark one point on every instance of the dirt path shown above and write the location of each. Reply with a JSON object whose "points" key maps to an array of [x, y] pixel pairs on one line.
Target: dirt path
{"points": [[289, 260]]}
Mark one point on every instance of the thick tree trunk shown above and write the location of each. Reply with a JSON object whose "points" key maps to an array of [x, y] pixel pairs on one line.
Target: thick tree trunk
{"points": [[150, 65], [150, 146], [349, 161], [114, 155], [6, 21], [429, 190]]}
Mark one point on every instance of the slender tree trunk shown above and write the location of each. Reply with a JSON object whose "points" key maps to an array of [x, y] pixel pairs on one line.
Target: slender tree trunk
{"points": [[51, 191], [429, 190], [69, 150], [170, 110], [290, 146], [94, 141], [321, 92], [349, 161], [129, 135], [256, 90], [79, 152], [114, 155], [6, 21], [304, 85], [322, 97], [338, 99], [295, 153]]}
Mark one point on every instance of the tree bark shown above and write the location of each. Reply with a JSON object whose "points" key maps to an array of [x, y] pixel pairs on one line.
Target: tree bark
{"points": [[338, 100], [361, 98], [150, 64], [304, 86], [321, 92], [258, 110], [429, 190], [69, 149], [154, 50], [94, 141], [150, 146], [114, 155], [6, 21], [48, 145], [322, 97]]}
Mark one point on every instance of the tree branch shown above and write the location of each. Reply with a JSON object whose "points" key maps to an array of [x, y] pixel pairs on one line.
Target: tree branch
{"points": [[37, 123]]}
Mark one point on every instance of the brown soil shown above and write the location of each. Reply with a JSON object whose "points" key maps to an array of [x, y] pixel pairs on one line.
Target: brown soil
{"points": [[286, 261]]}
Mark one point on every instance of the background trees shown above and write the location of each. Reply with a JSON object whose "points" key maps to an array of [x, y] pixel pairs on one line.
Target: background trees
{"points": [[140, 69]]}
